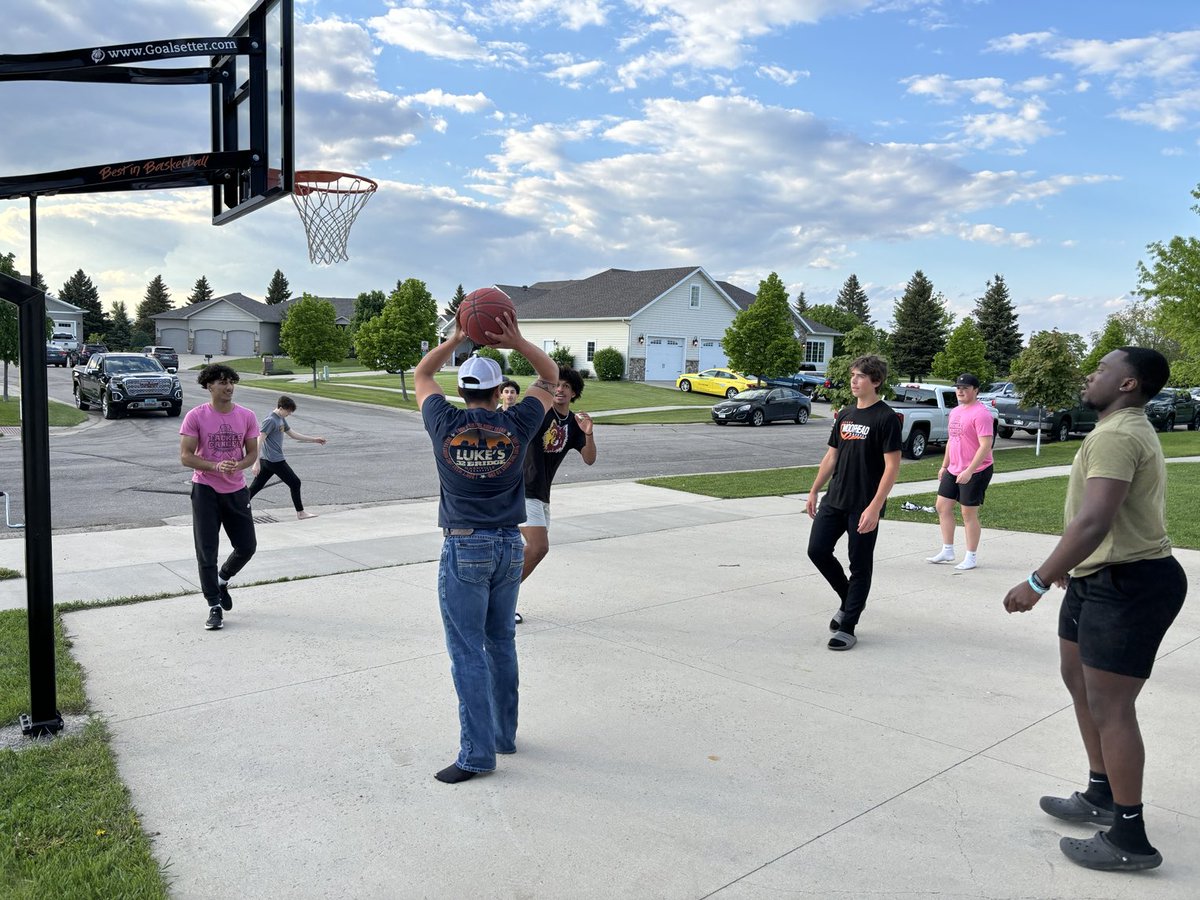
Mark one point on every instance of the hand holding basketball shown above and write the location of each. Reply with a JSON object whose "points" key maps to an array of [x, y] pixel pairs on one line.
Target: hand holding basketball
{"points": [[479, 314]]}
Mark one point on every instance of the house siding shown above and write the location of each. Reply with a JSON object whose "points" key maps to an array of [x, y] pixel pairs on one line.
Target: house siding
{"points": [[576, 333], [672, 316]]}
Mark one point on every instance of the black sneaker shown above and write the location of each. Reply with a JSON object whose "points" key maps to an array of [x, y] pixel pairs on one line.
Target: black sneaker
{"points": [[226, 600], [214, 618]]}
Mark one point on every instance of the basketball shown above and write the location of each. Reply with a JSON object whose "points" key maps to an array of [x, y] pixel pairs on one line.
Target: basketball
{"points": [[479, 310]]}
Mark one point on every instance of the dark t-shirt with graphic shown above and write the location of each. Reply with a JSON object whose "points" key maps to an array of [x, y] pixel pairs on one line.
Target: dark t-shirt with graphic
{"points": [[480, 454], [547, 450], [861, 438]]}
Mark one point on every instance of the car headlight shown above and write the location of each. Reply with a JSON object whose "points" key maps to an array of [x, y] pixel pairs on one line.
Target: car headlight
{"points": [[744, 407]]}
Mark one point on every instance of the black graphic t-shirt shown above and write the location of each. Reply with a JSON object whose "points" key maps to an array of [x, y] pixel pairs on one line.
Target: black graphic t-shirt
{"points": [[480, 454], [547, 450], [861, 438]]}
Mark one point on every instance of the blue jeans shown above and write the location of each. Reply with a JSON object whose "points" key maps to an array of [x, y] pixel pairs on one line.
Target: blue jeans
{"points": [[478, 580]]}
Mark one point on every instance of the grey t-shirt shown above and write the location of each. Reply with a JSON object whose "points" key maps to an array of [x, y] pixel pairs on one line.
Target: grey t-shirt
{"points": [[272, 428]]}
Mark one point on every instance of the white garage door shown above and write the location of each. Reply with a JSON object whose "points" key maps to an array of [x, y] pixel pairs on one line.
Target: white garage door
{"points": [[239, 343], [664, 358], [712, 355], [208, 340], [174, 337]]}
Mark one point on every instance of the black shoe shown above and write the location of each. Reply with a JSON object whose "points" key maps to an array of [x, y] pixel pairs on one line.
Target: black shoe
{"points": [[1076, 808], [214, 619], [226, 600]]}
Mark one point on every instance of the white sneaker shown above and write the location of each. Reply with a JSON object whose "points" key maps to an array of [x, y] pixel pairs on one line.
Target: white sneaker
{"points": [[941, 556], [967, 563]]}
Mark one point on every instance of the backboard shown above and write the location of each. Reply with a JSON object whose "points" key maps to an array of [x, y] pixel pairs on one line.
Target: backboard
{"points": [[252, 110]]}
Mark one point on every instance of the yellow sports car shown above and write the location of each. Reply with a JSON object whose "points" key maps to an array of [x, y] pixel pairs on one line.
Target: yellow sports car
{"points": [[721, 382]]}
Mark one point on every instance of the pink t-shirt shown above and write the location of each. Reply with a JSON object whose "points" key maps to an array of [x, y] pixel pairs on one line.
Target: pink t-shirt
{"points": [[220, 436], [967, 425]]}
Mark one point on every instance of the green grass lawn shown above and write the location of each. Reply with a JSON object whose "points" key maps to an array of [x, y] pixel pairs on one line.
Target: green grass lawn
{"points": [[252, 365], [1035, 506], [68, 827], [59, 414]]}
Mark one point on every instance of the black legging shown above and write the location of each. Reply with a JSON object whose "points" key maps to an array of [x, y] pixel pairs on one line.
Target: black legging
{"points": [[266, 469], [827, 528], [212, 511]]}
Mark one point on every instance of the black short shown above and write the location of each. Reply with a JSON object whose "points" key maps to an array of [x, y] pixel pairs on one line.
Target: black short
{"points": [[1119, 615], [969, 494]]}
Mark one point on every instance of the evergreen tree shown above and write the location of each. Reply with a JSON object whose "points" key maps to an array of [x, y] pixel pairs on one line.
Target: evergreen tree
{"points": [[996, 318], [966, 351], [78, 290], [392, 340], [201, 292], [120, 331], [853, 299], [278, 290], [157, 300], [459, 296], [762, 339], [800, 304], [921, 325]]}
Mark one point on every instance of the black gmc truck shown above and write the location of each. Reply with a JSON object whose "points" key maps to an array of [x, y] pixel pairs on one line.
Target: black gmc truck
{"points": [[126, 382]]}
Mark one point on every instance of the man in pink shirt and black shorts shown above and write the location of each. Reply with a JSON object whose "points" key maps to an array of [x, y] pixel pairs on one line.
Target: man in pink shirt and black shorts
{"points": [[966, 470]]}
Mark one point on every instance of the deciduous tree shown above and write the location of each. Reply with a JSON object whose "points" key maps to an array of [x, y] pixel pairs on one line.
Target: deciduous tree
{"points": [[861, 340], [1112, 337], [392, 340], [1172, 279], [922, 323], [1046, 374], [966, 351], [762, 339], [838, 319], [997, 320], [310, 333]]}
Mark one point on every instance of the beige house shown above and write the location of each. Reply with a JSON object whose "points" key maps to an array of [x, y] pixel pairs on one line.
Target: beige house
{"points": [[232, 325]]}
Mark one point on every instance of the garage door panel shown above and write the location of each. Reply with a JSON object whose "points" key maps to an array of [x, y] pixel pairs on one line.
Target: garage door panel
{"points": [[664, 358], [174, 337], [712, 355], [208, 340], [240, 343]]}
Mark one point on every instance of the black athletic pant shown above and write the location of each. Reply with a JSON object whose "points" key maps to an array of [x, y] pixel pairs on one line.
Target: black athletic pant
{"points": [[266, 469], [212, 511], [827, 529]]}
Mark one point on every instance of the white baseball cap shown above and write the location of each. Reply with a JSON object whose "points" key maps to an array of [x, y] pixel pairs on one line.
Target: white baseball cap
{"points": [[478, 373]]}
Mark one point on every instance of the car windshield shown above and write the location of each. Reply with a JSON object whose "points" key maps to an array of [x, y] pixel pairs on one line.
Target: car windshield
{"points": [[995, 387], [1162, 397], [752, 394], [134, 366]]}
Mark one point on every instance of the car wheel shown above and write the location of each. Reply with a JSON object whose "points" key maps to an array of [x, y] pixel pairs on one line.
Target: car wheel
{"points": [[1169, 425], [1063, 432], [175, 409], [914, 447], [685, 385], [1192, 425], [79, 401], [731, 393], [106, 407], [801, 415], [757, 417], [1004, 431]]}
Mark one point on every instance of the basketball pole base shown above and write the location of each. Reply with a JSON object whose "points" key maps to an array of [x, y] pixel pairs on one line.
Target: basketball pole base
{"points": [[30, 728]]}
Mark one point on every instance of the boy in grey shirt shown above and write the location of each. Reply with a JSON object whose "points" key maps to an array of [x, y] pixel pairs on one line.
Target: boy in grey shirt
{"points": [[270, 456]]}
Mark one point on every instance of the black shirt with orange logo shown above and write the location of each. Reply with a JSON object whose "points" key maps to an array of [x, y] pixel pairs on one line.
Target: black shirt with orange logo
{"points": [[861, 438]]}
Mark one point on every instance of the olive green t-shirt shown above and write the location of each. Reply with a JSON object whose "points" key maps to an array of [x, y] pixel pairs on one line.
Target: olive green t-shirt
{"points": [[1124, 447]]}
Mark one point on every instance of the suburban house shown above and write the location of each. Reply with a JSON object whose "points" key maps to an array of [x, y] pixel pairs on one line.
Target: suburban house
{"points": [[663, 321], [67, 318], [232, 325]]}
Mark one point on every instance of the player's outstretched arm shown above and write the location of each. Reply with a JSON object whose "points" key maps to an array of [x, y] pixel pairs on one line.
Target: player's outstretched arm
{"points": [[431, 363], [509, 337]]}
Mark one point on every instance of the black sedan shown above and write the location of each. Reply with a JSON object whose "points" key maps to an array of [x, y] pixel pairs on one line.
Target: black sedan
{"points": [[56, 356], [759, 406]]}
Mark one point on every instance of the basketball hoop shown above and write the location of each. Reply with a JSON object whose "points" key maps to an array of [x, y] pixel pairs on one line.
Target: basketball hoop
{"points": [[328, 203]]}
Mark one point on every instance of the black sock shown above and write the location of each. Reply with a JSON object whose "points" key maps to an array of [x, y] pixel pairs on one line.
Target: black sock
{"points": [[1129, 829], [453, 775], [1099, 792]]}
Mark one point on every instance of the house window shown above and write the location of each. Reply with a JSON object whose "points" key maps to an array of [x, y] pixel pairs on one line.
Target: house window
{"points": [[591, 350], [814, 351], [695, 302]]}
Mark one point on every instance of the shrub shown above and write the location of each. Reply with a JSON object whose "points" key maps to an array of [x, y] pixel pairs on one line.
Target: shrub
{"points": [[492, 353], [609, 364], [564, 357], [519, 365]]}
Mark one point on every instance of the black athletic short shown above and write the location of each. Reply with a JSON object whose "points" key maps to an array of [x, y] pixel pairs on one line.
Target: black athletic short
{"points": [[969, 494], [1119, 615]]}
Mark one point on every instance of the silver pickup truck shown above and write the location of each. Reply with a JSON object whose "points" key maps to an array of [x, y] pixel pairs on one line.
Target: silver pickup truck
{"points": [[924, 411]]}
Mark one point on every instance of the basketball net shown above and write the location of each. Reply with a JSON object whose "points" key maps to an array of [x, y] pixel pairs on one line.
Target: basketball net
{"points": [[328, 203]]}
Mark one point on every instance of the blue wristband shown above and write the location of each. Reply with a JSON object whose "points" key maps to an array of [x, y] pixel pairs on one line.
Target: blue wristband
{"points": [[1038, 589]]}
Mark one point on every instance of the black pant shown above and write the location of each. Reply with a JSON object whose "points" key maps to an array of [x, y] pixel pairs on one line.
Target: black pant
{"points": [[212, 511], [827, 529], [266, 469]]}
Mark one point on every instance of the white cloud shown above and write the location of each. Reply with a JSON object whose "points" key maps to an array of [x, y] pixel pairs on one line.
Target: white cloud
{"points": [[427, 31], [781, 75], [1018, 43], [943, 89], [1170, 113], [571, 14], [463, 103], [1021, 129], [574, 74]]}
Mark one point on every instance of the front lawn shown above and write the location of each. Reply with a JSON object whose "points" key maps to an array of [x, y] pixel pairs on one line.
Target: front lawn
{"points": [[60, 415]]}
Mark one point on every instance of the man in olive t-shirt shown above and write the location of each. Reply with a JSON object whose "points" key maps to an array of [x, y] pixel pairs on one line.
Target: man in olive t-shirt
{"points": [[1124, 591]]}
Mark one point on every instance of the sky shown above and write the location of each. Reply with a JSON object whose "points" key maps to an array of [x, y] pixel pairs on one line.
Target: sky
{"points": [[517, 141]]}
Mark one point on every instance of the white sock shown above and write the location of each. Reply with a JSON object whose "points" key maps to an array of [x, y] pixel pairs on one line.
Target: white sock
{"points": [[968, 561], [946, 554]]}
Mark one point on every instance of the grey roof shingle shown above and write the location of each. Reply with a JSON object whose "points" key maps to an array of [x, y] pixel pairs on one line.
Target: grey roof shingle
{"points": [[611, 294]]}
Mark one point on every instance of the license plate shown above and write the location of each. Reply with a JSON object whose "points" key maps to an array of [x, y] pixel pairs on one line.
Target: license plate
{"points": [[721, 415], [149, 404]]}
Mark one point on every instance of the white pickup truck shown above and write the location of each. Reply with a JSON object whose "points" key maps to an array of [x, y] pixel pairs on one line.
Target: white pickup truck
{"points": [[924, 411]]}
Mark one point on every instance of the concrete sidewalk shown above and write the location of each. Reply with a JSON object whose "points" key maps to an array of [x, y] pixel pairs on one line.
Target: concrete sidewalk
{"points": [[684, 731]]}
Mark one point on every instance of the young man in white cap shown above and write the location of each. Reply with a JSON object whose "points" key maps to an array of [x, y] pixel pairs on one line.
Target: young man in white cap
{"points": [[480, 452], [966, 470]]}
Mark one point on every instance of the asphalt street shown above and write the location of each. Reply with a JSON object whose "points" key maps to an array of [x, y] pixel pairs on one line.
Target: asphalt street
{"points": [[126, 472]]}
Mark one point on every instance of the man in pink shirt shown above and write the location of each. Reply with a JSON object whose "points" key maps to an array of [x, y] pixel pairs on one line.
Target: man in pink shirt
{"points": [[219, 440], [966, 470]]}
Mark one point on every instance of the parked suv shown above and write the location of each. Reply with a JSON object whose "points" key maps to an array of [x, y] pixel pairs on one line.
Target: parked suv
{"points": [[83, 353], [165, 355]]}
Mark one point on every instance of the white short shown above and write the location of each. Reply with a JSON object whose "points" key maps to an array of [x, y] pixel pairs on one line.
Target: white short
{"points": [[537, 514]]}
